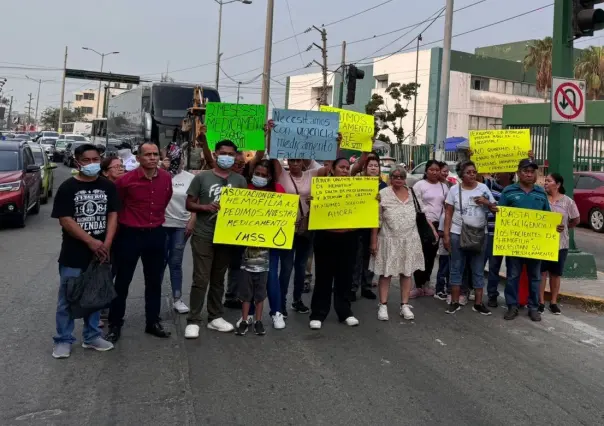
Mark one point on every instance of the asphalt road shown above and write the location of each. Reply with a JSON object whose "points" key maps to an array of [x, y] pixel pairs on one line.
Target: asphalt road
{"points": [[591, 242], [438, 370]]}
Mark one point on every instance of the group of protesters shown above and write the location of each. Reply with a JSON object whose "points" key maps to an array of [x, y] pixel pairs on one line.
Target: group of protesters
{"points": [[151, 212]]}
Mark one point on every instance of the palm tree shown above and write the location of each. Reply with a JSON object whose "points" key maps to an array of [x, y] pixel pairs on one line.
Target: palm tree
{"points": [[590, 67], [539, 56]]}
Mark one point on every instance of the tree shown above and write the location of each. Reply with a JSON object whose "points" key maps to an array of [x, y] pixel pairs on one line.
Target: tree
{"points": [[391, 119], [50, 116], [539, 56], [590, 67]]}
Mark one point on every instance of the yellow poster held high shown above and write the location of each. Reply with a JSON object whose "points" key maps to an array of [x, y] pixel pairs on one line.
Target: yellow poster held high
{"points": [[256, 218], [357, 129], [498, 151], [344, 203]]}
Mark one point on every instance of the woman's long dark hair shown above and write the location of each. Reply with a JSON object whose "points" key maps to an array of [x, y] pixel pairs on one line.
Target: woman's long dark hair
{"points": [[335, 163], [428, 165], [559, 180], [271, 186]]}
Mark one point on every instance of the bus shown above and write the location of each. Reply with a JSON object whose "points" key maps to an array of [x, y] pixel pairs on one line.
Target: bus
{"points": [[98, 132], [152, 112], [80, 127]]}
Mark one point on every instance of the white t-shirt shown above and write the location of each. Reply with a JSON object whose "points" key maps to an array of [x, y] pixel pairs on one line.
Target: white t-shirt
{"points": [[177, 215], [473, 214], [433, 196]]}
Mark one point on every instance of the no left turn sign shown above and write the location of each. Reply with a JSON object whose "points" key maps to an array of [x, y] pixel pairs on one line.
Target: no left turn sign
{"points": [[568, 101]]}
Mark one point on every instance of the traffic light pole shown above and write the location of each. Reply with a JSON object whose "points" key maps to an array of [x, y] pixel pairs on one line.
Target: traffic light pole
{"points": [[342, 74]]}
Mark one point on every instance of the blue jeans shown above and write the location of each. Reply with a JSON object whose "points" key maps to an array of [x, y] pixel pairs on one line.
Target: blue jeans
{"points": [[494, 268], [65, 323], [442, 277], [175, 248], [458, 261], [514, 269]]}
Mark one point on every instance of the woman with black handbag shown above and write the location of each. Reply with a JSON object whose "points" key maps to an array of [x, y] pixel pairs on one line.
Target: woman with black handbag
{"points": [[465, 234], [396, 247]]}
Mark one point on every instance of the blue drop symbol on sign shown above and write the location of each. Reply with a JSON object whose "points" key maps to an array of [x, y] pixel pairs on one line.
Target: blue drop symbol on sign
{"points": [[280, 238]]}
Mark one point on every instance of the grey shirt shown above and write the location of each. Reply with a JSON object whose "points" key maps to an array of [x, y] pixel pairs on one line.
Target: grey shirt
{"points": [[206, 187]]}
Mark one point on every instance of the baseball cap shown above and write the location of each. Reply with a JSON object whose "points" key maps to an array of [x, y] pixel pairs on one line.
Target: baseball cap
{"points": [[527, 162]]}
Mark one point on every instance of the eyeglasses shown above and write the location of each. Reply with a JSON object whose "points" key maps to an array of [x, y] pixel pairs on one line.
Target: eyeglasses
{"points": [[397, 177], [119, 167]]}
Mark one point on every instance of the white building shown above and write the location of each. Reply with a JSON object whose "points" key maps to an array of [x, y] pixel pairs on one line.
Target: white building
{"points": [[87, 99]]}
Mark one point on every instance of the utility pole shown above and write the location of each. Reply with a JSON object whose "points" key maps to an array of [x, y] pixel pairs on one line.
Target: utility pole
{"points": [[238, 88], [29, 108], [342, 76], [323, 49], [39, 81], [268, 51], [69, 104], [60, 129], [445, 78], [10, 111], [414, 135], [218, 54]]}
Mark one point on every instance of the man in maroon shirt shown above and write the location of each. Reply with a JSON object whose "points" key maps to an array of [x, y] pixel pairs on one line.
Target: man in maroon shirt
{"points": [[144, 194]]}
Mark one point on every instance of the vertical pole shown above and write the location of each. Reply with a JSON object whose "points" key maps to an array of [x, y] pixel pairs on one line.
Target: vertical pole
{"points": [[414, 141], [238, 87], [29, 108], [445, 77], [10, 111], [218, 46], [60, 126], [98, 93], [342, 74], [324, 52], [37, 102], [268, 51]]}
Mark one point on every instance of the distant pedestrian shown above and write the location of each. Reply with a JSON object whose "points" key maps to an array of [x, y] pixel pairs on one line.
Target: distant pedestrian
{"points": [[144, 195], [86, 207], [554, 187]]}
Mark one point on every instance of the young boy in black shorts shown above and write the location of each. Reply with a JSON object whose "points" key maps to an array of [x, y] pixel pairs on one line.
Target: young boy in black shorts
{"points": [[252, 287]]}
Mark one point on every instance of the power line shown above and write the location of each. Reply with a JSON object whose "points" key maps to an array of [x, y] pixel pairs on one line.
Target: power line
{"points": [[291, 22]]}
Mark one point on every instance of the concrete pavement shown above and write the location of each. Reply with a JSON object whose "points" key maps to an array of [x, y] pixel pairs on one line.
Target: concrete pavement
{"points": [[591, 242], [463, 369]]}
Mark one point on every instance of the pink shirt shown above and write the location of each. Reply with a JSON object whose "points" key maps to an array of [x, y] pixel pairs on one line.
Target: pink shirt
{"points": [[433, 197], [302, 183]]}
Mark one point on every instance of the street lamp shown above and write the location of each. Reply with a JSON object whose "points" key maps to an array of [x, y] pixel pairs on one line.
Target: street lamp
{"points": [[40, 81], [218, 54], [102, 55]]}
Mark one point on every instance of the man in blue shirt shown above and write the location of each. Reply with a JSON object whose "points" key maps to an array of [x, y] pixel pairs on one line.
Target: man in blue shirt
{"points": [[525, 195]]}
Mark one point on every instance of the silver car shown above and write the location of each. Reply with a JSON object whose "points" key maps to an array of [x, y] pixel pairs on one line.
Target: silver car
{"points": [[417, 173]]}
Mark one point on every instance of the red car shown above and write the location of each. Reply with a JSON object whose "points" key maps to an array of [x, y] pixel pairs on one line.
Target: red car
{"points": [[589, 196], [20, 181]]}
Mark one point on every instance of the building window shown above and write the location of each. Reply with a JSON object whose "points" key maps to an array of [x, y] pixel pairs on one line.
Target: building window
{"points": [[128, 86], [484, 123], [480, 83], [86, 110], [116, 85], [381, 82], [89, 96], [78, 97]]}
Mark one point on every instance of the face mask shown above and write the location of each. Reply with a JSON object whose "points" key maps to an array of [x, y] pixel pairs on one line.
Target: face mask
{"points": [[259, 182], [225, 161], [90, 170]]}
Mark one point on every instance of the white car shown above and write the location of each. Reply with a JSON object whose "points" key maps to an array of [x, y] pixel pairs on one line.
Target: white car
{"points": [[48, 144], [73, 137], [417, 173]]}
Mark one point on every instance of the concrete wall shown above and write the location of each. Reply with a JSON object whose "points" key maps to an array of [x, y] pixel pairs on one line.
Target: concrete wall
{"points": [[303, 91]]}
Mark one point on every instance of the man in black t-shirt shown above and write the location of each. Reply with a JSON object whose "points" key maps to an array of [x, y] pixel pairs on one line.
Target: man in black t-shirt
{"points": [[86, 207]]}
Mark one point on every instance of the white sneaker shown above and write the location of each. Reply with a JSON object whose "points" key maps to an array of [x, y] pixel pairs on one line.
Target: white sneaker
{"points": [[278, 321], [382, 312], [352, 321], [221, 325], [448, 299], [315, 325], [180, 307], [406, 312], [192, 331], [472, 295], [250, 320], [463, 300]]}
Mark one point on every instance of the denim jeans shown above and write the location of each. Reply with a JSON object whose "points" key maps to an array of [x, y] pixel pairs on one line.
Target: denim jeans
{"points": [[442, 277], [459, 260], [175, 248], [494, 268], [65, 323], [514, 269]]}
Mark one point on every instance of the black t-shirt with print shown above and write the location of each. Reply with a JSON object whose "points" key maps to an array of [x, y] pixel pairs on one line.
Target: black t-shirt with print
{"points": [[88, 203]]}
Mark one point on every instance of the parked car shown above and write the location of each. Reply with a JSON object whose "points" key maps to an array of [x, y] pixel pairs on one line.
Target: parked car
{"points": [[23, 137], [48, 144], [74, 137], [68, 159], [417, 173], [48, 134], [59, 151], [20, 182], [589, 196], [46, 171]]}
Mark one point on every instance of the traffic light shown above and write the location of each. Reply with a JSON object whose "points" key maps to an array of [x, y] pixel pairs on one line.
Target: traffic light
{"points": [[586, 18], [352, 76]]}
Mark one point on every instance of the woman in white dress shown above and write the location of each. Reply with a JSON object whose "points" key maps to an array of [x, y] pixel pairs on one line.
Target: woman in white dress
{"points": [[396, 247]]}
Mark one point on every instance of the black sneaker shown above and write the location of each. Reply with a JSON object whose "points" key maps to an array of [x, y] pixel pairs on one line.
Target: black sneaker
{"points": [[300, 307], [114, 334], [306, 288], [535, 315], [554, 309], [511, 314], [541, 307], [242, 329], [453, 307], [492, 303], [368, 294], [481, 309], [441, 295], [259, 328]]}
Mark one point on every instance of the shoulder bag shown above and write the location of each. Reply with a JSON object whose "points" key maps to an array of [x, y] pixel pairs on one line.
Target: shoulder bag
{"points": [[302, 224], [471, 238], [423, 227]]}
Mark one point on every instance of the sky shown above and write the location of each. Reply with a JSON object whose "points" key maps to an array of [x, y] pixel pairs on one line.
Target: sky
{"points": [[181, 36]]}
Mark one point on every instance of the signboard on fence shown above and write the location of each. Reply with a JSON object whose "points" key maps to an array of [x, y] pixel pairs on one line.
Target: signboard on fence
{"points": [[243, 124], [357, 129], [496, 151], [304, 134], [527, 233], [344, 203], [256, 218]]}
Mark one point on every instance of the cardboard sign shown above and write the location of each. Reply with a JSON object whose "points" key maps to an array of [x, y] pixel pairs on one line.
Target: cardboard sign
{"points": [[256, 218], [357, 129], [243, 124], [527, 233], [344, 203], [496, 151], [304, 134]]}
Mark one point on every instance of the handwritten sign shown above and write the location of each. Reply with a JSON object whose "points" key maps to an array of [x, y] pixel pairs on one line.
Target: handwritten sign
{"points": [[344, 203], [256, 218], [304, 134], [496, 151], [243, 124], [527, 233], [357, 129]]}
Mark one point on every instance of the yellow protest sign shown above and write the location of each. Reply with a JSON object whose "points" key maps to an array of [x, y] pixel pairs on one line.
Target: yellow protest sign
{"points": [[256, 218], [344, 203], [357, 129], [496, 151], [527, 233]]}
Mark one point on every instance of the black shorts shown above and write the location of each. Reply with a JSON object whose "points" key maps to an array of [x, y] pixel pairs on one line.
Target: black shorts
{"points": [[252, 286], [555, 268]]}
